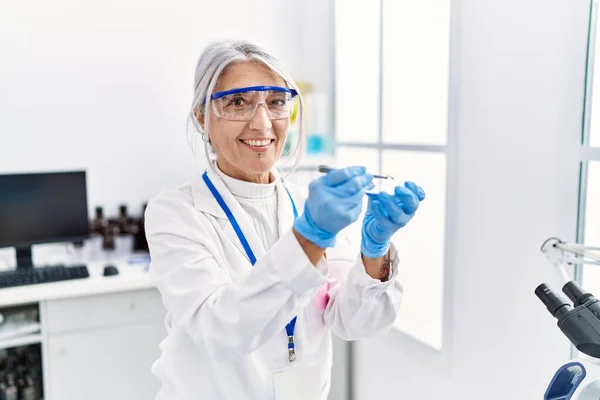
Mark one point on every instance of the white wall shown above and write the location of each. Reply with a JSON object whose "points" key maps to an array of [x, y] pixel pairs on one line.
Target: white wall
{"points": [[520, 78], [106, 86], [316, 47]]}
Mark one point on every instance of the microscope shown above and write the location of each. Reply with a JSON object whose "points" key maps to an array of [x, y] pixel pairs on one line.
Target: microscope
{"points": [[578, 318]]}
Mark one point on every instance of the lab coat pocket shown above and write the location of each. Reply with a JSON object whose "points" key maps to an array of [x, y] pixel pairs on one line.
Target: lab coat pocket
{"points": [[300, 382]]}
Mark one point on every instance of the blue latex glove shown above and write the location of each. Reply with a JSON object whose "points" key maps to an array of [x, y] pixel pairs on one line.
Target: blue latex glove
{"points": [[386, 214], [334, 202]]}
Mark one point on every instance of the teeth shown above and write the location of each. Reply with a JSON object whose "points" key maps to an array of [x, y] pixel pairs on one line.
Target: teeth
{"points": [[257, 142]]}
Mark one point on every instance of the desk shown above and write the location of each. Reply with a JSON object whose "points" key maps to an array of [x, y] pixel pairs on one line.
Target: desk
{"points": [[99, 336]]}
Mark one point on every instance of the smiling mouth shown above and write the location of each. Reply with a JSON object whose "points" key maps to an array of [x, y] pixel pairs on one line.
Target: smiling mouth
{"points": [[258, 144]]}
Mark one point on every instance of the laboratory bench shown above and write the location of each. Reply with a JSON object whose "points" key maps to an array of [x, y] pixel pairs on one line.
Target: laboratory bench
{"points": [[98, 336]]}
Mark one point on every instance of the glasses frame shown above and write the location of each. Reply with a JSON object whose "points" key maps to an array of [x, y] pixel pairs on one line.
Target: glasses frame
{"points": [[219, 95]]}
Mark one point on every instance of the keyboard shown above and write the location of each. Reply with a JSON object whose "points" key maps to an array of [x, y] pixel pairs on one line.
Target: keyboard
{"points": [[34, 276]]}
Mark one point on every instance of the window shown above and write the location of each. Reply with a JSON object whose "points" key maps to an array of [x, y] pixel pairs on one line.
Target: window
{"points": [[591, 273], [391, 114], [415, 38], [589, 218], [357, 70], [593, 138]]}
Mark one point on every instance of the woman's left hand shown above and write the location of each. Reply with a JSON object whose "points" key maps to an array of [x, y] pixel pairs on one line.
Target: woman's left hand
{"points": [[386, 214]]}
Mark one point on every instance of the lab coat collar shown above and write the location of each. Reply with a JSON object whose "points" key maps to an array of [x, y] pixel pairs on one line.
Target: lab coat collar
{"points": [[205, 202]]}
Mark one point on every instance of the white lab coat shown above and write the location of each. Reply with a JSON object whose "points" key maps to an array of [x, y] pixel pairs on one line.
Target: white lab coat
{"points": [[226, 318]]}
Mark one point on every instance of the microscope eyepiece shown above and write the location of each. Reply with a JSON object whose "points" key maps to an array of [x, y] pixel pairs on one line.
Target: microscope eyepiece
{"points": [[554, 302], [576, 293]]}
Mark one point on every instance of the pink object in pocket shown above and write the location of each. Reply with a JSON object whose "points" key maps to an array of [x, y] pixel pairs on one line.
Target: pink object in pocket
{"points": [[322, 295]]}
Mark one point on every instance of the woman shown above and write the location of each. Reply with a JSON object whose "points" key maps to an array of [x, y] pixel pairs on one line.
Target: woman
{"points": [[252, 273]]}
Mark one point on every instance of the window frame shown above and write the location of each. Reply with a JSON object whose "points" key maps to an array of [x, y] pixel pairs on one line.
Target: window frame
{"points": [[587, 152]]}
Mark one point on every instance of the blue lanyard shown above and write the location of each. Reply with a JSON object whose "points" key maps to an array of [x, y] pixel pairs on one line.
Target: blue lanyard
{"points": [[290, 327]]}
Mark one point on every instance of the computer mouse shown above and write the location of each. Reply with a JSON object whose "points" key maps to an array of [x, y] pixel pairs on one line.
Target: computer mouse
{"points": [[110, 270]]}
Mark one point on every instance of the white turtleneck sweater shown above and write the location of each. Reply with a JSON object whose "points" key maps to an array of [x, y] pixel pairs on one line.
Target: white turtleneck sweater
{"points": [[259, 200]]}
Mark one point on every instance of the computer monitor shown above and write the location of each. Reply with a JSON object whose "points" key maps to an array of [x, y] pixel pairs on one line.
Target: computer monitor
{"points": [[38, 208]]}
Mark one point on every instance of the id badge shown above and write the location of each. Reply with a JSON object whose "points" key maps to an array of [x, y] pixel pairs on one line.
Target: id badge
{"points": [[300, 382]]}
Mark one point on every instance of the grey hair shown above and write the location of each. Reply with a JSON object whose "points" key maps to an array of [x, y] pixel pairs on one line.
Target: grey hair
{"points": [[211, 64]]}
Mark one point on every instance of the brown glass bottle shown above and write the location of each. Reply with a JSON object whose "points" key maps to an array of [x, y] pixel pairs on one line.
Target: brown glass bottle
{"points": [[99, 223], [123, 221]]}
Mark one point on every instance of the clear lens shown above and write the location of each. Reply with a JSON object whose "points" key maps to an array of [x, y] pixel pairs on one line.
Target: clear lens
{"points": [[242, 106]]}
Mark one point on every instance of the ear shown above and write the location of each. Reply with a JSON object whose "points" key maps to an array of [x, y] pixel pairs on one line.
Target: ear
{"points": [[200, 118]]}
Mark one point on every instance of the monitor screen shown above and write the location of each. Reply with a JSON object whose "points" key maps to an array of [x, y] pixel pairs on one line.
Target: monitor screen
{"points": [[42, 208]]}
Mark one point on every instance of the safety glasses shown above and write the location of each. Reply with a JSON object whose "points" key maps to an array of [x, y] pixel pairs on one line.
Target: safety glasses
{"points": [[241, 104]]}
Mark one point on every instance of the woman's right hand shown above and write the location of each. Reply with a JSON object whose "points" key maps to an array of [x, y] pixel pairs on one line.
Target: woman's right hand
{"points": [[334, 202]]}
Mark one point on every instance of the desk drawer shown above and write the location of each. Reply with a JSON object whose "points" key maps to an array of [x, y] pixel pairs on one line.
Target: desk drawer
{"points": [[104, 310]]}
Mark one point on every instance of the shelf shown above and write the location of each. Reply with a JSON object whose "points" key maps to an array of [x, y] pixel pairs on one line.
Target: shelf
{"points": [[21, 341]]}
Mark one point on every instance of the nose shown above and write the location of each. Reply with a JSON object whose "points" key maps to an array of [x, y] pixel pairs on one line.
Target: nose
{"points": [[260, 121]]}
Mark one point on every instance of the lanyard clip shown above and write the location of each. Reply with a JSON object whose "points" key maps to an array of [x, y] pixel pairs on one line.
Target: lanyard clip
{"points": [[291, 351], [292, 355]]}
